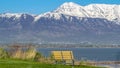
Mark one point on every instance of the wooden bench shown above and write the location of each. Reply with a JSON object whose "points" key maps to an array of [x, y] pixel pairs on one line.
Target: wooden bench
{"points": [[66, 57]]}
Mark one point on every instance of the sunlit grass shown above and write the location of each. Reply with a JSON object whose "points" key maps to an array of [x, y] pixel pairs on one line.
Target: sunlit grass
{"points": [[30, 64]]}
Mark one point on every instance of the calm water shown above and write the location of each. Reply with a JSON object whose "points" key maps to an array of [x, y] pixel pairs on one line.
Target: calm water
{"points": [[94, 54]]}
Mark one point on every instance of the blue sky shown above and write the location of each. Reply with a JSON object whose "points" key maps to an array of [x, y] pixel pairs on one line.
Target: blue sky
{"points": [[41, 6]]}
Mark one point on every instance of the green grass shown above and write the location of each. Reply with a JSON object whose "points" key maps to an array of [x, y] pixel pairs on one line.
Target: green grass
{"points": [[30, 64]]}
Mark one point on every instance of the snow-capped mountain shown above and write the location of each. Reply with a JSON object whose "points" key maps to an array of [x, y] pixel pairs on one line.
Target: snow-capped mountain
{"points": [[97, 23], [110, 12]]}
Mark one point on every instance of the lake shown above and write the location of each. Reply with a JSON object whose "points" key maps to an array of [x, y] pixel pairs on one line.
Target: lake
{"points": [[92, 54]]}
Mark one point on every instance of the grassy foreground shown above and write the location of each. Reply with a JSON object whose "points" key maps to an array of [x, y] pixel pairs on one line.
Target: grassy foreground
{"points": [[31, 64]]}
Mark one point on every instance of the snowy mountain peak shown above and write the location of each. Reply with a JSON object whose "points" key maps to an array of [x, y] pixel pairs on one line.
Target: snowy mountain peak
{"points": [[110, 12], [70, 8], [17, 15], [69, 4], [107, 11]]}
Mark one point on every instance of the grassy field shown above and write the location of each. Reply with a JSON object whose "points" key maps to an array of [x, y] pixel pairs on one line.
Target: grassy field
{"points": [[31, 64]]}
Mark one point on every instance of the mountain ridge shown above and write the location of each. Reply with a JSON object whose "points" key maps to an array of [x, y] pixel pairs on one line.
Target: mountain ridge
{"points": [[60, 26], [107, 11]]}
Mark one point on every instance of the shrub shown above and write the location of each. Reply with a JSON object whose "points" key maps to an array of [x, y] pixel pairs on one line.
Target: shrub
{"points": [[3, 54], [38, 56], [30, 54]]}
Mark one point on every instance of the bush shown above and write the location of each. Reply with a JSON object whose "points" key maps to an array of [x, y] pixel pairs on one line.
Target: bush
{"points": [[30, 54], [3, 54], [38, 56]]}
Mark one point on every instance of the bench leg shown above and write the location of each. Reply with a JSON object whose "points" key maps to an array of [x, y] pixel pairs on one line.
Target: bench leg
{"points": [[56, 62], [72, 63]]}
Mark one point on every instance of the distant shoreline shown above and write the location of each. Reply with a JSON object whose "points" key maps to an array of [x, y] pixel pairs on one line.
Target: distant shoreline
{"points": [[61, 46]]}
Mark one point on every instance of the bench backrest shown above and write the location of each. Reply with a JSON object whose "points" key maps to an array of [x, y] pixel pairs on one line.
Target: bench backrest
{"points": [[62, 55]]}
